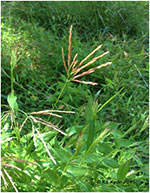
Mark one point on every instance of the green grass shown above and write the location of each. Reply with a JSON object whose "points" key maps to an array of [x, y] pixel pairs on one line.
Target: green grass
{"points": [[91, 158]]}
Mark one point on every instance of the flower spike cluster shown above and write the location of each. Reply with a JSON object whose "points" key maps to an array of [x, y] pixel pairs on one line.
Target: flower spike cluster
{"points": [[73, 69]]}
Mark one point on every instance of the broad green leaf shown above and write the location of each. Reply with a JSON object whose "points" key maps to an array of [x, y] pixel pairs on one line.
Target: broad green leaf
{"points": [[51, 176], [105, 148], [113, 127], [93, 158], [77, 171], [70, 131], [62, 154], [12, 101], [123, 170], [74, 130], [111, 162], [123, 143]]}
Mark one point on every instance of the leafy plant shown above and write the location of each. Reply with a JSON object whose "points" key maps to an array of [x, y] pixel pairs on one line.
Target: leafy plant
{"points": [[102, 144]]}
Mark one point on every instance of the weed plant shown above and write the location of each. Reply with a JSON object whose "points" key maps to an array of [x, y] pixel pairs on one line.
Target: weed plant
{"points": [[68, 125]]}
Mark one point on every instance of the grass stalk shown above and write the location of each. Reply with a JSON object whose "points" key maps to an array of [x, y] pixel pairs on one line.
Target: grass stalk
{"points": [[62, 90], [13, 64]]}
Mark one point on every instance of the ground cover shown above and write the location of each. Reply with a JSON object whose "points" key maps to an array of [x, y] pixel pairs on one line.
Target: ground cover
{"points": [[97, 137]]}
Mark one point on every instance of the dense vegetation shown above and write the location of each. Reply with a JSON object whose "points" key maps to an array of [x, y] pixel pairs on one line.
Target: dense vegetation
{"points": [[97, 137]]}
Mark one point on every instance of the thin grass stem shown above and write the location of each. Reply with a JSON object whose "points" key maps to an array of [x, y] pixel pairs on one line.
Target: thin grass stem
{"points": [[109, 100], [62, 90]]}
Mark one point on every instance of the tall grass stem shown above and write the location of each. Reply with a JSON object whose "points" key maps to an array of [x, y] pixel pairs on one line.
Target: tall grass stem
{"points": [[62, 90]]}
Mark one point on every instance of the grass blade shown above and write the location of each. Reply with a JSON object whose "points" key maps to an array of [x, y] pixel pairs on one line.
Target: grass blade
{"points": [[109, 100], [91, 133], [97, 140]]}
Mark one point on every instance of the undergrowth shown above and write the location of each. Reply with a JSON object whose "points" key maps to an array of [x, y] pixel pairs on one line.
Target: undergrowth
{"points": [[61, 135]]}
